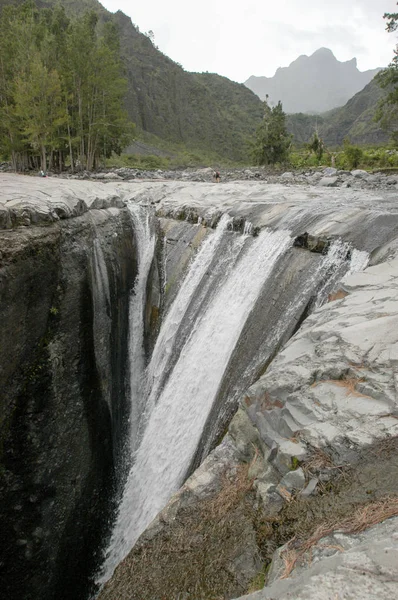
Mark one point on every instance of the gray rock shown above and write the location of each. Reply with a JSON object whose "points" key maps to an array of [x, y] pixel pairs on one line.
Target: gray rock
{"points": [[310, 488], [294, 480], [330, 171], [359, 567], [359, 173], [329, 182]]}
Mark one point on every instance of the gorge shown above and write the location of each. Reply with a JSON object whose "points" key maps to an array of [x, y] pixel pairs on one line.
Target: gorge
{"points": [[137, 317]]}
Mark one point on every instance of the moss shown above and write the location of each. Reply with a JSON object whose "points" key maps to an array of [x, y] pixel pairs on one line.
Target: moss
{"points": [[258, 581], [295, 463]]}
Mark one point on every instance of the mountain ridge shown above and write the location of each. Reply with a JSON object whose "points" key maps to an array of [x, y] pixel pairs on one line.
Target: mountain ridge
{"points": [[312, 84]]}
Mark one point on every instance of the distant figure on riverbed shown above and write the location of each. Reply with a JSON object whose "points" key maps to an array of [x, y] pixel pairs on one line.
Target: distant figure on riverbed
{"points": [[216, 176]]}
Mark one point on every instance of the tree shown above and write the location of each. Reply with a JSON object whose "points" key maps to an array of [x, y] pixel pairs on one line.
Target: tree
{"points": [[387, 112], [61, 88], [353, 154], [316, 145], [272, 142], [38, 104]]}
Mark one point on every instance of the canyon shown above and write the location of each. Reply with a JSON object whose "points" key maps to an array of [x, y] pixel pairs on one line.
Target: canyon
{"points": [[165, 343]]}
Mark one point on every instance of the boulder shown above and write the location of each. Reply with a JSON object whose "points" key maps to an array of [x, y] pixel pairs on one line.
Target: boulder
{"points": [[312, 243], [359, 173], [329, 182], [330, 171]]}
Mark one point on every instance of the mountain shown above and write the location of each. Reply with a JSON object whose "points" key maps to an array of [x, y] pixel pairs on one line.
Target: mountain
{"points": [[200, 111], [354, 120], [312, 84]]}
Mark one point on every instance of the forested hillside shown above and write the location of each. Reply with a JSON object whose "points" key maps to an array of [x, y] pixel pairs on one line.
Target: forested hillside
{"points": [[102, 75], [164, 100], [354, 120]]}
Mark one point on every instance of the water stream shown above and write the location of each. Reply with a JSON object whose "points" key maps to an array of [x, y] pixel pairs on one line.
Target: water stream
{"points": [[196, 343]]}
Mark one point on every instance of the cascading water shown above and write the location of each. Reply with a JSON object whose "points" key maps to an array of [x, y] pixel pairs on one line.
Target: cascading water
{"points": [[178, 415], [101, 312], [197, 339], [145, 242], [174, 318], [335, 265]]}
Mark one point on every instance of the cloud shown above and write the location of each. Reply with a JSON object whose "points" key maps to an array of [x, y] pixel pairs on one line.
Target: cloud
{"points": [[261, 36]]}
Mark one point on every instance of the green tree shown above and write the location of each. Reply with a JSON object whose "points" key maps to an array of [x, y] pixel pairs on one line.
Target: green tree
{"points": [[272, 142], [61, 88], [98, 121], [38, 104], [387, 112], [353, 154], [316, 145]]}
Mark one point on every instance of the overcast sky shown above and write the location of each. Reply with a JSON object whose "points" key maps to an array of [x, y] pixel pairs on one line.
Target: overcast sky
{"points": [[262, 35]]}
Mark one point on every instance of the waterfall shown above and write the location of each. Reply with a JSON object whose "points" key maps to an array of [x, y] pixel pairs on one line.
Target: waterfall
{"points": [[180, 405], [227, 285], [175, 316], [145, 244], [101, 314], [335, 266]]}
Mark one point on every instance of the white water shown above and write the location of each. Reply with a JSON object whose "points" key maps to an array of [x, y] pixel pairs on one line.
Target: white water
{"points": [[177, 418], [145, 243], [359, 261], [166, 337], [101, 315]]}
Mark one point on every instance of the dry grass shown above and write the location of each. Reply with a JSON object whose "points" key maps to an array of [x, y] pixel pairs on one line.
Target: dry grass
{"points": [[318, 459], [194, 556], [364, 516]]}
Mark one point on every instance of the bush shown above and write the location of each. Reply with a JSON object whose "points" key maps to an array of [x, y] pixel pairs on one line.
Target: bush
{"points": [[353, 155]]}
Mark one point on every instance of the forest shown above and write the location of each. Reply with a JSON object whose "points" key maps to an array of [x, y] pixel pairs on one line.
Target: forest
{"points": [[62, 89]]}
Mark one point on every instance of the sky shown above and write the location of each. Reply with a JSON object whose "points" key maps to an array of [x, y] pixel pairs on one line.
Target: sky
{"points": [[255, 37]]}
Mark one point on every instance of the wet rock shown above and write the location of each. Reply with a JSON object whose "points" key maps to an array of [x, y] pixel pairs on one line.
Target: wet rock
{"points": [[62, 373], [312, 243]]}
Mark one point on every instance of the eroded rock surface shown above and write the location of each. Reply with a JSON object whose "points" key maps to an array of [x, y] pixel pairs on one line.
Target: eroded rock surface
{"points": [[362, 566], [327, 403], [64, 297]]}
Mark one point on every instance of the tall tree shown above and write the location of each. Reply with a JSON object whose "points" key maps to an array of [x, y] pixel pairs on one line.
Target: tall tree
{"points": [[387, 113], [61, 88], [272, 142], [38, 104]]}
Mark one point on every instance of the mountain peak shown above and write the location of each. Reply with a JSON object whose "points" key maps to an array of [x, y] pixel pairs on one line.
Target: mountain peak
{"points": [[323, 52], [312, 84]]}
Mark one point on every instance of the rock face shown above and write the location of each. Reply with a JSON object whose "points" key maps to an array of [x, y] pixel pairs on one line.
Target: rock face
{"points": [[312, 84], [360, 566], [64, 294], [327, 402], [325, 405]]}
